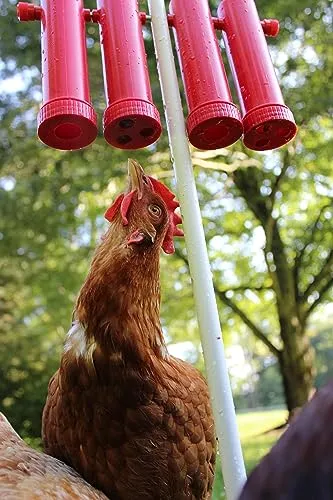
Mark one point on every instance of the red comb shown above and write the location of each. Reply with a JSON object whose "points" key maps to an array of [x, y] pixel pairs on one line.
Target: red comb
{"points": [[113, 210], [123, 202]]}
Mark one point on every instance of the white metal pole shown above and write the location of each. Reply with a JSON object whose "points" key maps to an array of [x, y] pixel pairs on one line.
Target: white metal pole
{"points": [[211, 337]]}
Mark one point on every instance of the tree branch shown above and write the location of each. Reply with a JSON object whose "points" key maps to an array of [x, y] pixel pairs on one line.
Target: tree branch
{"points": [[278, 180], [248, 183], [314, 304], [310, 229], [222, 296], [242, 288], [319, 283], [249, 323]]}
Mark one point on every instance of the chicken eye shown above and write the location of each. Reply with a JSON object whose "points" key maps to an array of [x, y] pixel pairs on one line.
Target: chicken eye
{"points": [[155, 210]]}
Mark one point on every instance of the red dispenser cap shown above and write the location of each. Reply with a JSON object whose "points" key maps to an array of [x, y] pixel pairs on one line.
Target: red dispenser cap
{"points": [[268, 127], [67, 123], [131, 124], [214, 125]]}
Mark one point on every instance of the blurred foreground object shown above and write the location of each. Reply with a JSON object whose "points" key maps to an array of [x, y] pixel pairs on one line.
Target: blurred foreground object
{"points": [[300, 465], [30, 475]]}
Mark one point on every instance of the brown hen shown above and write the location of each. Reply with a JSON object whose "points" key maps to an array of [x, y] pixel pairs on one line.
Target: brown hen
{"points": [[30, 475], [300, 465], [133, 420]]}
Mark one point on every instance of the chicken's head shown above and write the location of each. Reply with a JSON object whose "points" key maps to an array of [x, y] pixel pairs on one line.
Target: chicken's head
{"points": [[147, 211]]}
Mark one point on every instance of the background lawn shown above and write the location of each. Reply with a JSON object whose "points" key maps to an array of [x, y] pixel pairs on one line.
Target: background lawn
{"points": [[255, 443]]}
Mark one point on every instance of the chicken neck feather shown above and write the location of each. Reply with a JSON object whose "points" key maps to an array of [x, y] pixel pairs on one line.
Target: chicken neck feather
{"points": [[119, 303]]}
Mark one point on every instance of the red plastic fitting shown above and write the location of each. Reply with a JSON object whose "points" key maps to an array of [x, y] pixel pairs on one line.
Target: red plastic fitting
{"points": [[143, 18], [214, 120], [270, 27], [92, 15], [131, 120], [268, 122], [66, 119], [28, 12]]}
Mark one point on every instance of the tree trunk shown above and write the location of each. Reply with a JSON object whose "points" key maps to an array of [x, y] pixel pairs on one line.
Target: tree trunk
{"points": [[296, 356], [296, 362]]}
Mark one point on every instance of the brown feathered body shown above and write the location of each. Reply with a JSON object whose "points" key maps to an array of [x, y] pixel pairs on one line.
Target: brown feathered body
{"points": [[133, 420], [300, 465], [30, 475]]}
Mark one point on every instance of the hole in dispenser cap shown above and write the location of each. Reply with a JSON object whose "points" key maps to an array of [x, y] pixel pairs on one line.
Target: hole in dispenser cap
{"points": [[126, 123], [264, 128], [67, 131], [124, 139], [262, 143], [147, 132], [214, 132]]}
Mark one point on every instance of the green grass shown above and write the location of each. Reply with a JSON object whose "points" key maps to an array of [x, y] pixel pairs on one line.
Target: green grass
{"points": [[255, 443]]}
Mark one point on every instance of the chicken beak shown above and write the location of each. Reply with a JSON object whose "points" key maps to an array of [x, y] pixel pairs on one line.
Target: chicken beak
{"points": [[135, 173]]}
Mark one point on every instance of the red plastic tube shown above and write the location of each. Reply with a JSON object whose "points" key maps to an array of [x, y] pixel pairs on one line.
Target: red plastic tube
{"points": [[131, 120], [268, 122], [67, 119], [213, 121]]}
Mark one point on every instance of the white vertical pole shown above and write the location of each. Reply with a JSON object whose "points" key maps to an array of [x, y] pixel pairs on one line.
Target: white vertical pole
{"points": [[211, 337]]}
